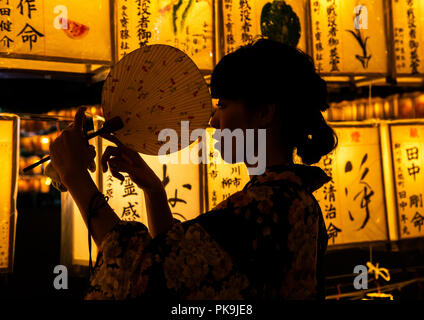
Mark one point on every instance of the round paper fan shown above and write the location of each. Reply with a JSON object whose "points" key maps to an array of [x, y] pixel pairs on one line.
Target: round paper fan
{"points": [[153, 88]]}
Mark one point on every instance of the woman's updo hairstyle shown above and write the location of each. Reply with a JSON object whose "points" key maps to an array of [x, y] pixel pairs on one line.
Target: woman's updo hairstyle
{"points": [[268, 71]]}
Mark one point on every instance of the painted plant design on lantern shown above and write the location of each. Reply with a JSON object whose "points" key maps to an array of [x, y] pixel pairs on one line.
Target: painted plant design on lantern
{"points": [[361, 15]]}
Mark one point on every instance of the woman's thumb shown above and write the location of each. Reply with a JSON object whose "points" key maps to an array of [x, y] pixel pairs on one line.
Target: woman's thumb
{"points": [[121, 166]]}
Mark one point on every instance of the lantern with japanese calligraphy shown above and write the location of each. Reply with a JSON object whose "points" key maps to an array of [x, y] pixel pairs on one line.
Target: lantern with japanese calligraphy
{"points": [[279, 20], [408, 33], [185, 24], [222, 179], [9, 160], [70, 36], [349, 39], [407, 142], [353, 202]]}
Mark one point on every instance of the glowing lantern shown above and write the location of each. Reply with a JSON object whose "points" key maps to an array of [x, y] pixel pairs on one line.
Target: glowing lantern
{"points": [[407, 142], [419, 106], [408, 32], [187, 25], [70, 36], [223, 179], [406, 108], [353, 203], [349, 39], [244, 21], [361, 107], [9, 160]]}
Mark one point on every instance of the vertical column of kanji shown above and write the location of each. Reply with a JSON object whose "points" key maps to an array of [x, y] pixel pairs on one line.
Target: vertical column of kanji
{"points": [[328, 200], [28, 18], [413, 37], [317, 37], [408, 25], [228, 26], [143, 24], [329, 206], [211, 171], [333, 40], [123, 25], [400, 40], [6, 27], [246, 21]]}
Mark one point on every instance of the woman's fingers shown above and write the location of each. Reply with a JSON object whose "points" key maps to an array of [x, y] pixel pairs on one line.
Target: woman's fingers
{"points": [[91, 157], [118, 142], [112, 138], [109, 152], [79, 118], [115, 171]]}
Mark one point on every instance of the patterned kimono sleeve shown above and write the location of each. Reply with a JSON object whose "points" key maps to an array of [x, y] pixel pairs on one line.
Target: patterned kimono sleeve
{"points": [[119, 257], [194, 265]]}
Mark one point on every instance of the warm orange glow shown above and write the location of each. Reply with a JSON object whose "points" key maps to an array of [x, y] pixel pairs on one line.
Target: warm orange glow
{"points": [[48, 181], [86, 36], [8, 180]]}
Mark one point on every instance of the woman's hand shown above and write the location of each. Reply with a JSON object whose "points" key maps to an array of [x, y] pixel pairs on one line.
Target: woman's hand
{"points": [[70, 153], [124, 159]]}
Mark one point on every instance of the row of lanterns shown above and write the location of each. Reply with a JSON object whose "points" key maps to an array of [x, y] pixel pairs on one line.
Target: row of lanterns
{"points": [[350, 41]]}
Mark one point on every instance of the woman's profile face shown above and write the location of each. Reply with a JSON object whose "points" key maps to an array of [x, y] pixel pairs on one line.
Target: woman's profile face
{"points": [[232, 114]]}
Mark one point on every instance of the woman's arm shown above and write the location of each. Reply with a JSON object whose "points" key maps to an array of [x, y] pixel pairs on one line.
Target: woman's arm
{"points": [[70, 157], [82, 189], [159, 215]]}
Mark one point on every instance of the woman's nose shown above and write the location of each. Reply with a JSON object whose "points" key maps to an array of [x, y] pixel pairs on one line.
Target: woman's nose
{"points": [[213, 121]]}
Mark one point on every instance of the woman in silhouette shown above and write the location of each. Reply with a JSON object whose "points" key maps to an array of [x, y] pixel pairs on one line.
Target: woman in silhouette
{"points": [[266, 241]]}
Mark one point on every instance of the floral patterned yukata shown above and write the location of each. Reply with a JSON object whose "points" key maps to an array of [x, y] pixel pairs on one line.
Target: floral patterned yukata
{"points": [[264, 242]]}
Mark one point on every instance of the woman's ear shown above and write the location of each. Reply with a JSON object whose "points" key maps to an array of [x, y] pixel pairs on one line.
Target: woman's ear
{"points": [[266, 114]]}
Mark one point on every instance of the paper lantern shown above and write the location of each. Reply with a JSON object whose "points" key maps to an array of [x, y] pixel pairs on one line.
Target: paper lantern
{"points": [[408, 33], [70, 36], [349, 39], [405, 108], [407, 143], [243, 21], [223, 179], [361, 107], [9, 160], [353, 203], [419, 106], [186, 25]]}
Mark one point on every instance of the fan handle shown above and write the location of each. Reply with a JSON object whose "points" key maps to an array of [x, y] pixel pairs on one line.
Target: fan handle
{"points": [[109, 126]]}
